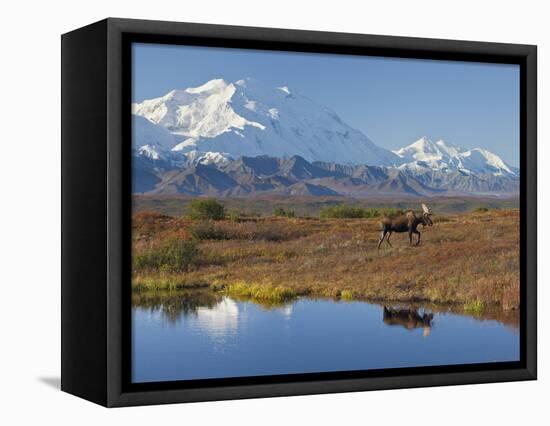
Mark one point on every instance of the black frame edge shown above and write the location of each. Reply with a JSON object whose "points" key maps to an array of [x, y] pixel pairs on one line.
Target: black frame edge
{"points": [[395, 44], [530, 191], [117, 170], [83, 218], [317, 387]]}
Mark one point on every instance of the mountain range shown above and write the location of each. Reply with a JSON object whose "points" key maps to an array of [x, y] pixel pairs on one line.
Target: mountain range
{"points": [[245, 138]]}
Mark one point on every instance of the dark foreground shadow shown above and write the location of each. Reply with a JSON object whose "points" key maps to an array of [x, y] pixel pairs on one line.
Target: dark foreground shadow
{"points": [[53, 382]]}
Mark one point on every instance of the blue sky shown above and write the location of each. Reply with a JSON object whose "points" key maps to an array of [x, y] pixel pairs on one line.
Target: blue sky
{"points": [[392, 101]]}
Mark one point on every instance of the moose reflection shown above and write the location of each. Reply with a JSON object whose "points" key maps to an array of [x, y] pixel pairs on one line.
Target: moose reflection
{"points": [[408, 318]]}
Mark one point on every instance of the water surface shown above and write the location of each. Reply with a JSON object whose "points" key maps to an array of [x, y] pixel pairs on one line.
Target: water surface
{"points": [[183, 338]]}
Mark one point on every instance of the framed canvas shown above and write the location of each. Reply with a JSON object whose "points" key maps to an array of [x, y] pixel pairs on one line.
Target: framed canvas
{"points": [[255, 212]]}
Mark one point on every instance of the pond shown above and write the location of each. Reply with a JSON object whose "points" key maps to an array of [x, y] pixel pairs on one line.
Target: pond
{"points": [[199, 336]]}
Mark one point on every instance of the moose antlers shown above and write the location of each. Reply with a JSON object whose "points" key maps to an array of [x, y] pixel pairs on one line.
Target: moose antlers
{"points": [[426, 209]]}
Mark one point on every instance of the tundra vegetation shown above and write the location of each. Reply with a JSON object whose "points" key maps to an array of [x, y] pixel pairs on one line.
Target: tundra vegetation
{"points": [[468, 260], [282, 212], [343, 211], [206, 209]]}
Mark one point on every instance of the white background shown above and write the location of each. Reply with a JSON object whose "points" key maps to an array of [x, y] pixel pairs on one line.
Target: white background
{"points": [[30, 211]]}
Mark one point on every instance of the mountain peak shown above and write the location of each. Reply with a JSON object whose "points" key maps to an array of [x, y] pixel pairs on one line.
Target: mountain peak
{"points": [[419, 150], [425, 143], [250, 118], [427, 155], [213, 85], [424, 140], [197, 112]]}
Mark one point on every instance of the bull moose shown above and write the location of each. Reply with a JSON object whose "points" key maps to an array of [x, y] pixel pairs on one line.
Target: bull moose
{"points": [[407, 222]]}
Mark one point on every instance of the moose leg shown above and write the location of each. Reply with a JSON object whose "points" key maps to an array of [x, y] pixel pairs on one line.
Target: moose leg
{"points": [[410, 238], [382, 236], [417, 233], [388, 238]]}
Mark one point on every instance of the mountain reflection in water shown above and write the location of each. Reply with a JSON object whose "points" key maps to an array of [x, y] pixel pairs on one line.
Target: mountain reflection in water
{"points": [[174, 304]]}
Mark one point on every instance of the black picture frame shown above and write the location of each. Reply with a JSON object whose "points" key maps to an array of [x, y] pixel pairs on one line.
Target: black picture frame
{"points": [[96, 211]]}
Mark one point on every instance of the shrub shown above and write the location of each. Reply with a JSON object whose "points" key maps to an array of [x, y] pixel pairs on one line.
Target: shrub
{"points": [[343, 211], [172, 256], [234, 215], [261, 292], [281, 212], [206, 209], [481, 210], [208, 231]]}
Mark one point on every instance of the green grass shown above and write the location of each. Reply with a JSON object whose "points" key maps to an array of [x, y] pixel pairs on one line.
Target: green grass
{"points": [[346, 295], [163, 282], [174, 255], [261, 292], [344, 211], [475, 307], [234, 215]]}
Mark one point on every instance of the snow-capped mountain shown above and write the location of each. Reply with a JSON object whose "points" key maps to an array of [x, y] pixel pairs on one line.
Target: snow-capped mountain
{"points": [[156, 143], [426, 155], [244, 138], [198, 157], [150, 140], [246, 118]]}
